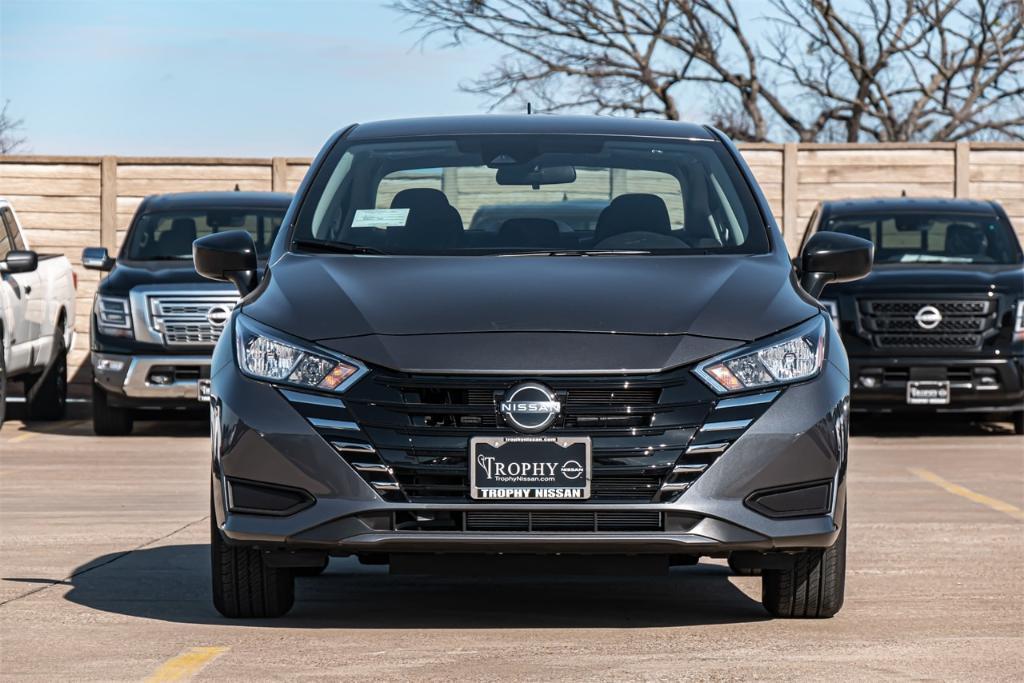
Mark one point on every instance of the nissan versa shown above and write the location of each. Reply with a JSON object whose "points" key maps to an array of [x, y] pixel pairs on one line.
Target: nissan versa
{"points": [[623, 394]]}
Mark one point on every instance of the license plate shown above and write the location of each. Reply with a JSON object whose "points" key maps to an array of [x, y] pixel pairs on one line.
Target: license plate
{"points": [[928, 393], [203, 393], [529, 467]]}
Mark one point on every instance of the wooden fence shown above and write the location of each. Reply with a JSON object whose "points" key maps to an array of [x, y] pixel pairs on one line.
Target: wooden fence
{"points": [[67, 203]]}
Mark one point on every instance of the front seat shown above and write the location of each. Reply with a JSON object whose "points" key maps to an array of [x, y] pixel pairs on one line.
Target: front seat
{"points": [[530, 233], [965, 240], [432, 224], [177, 240], [633, 213]]}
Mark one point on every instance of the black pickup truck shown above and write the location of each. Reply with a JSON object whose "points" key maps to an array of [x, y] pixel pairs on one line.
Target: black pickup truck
{"points": [[938, 325], [155, 320]]}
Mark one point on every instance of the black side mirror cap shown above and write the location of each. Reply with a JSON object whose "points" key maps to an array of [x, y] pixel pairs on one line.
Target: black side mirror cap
{"points": [[227, 257], [19, 261], [834, 257], [96, 258]]}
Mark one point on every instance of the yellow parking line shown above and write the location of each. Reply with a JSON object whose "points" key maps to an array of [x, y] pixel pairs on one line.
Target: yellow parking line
{"points": [[30, 435], [963, 492], [186, 665]]}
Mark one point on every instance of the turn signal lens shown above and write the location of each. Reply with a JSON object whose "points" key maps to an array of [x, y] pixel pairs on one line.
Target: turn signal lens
{"points": [[791, 357], [263, 355]]}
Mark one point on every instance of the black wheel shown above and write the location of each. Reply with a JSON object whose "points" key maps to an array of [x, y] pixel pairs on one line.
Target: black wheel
{"points": [[243, 586], [744, 571], [813, 588], [48, 395], [108, 420], [311, 571], [1018, 422], [3, 381]]}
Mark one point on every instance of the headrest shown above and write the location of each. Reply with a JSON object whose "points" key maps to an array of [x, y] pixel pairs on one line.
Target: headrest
{"points": [[855, 231], [529, 233], [420, 198], [964, 239], [177, 240], [631, 213]]}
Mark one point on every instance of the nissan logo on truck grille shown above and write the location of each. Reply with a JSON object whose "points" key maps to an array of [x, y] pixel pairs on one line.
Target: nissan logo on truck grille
{"points": [[530, 407]]}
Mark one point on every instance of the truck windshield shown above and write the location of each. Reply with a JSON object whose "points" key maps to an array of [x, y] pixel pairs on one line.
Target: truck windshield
{"points": [[547, 194], [168, 236], [933, 238]]}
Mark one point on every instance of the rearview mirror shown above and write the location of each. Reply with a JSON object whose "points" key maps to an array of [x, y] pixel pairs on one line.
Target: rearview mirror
{"points": [[20, 262], [227, 257], [535, 175], [834, 257], [96, 258]]}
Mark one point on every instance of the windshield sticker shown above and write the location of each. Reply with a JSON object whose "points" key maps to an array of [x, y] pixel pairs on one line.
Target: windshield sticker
{"points": [[379, 218]]}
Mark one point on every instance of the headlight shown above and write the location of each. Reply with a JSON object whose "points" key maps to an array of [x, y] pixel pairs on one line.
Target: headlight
{"points": [[793, 356], [833, 310], [113, 316], [271, 356]]}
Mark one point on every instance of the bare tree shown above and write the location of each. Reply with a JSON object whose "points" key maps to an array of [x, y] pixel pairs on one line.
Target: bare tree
{"points": [[10, 140], [886, 70]]}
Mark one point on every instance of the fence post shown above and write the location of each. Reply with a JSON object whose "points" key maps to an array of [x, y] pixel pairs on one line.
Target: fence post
{"points": [[108, 202], [962, 166], [790, 186], [279, 174]]}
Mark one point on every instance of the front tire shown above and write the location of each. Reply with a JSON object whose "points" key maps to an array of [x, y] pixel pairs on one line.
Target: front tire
{"points": [[3, 381], [48, 395], [813, 588], [108, 420], [244, 587], [1018, 422]]}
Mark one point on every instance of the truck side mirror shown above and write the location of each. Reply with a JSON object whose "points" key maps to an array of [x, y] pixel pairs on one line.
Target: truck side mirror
{"points": [[228, 257], [19, 261], [96, 258], [834, 257]]}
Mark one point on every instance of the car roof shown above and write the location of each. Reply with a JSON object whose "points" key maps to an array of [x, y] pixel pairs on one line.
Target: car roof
{"points": [[521, 124], [218, 200], [902, 204]]}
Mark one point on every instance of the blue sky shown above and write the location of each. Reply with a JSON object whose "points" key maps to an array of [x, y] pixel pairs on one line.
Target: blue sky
{"points": [[253, 78]]}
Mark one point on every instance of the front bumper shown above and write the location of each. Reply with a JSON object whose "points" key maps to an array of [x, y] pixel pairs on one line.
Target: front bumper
{"points": [[977, 385], [158, 380], [259, 437]]}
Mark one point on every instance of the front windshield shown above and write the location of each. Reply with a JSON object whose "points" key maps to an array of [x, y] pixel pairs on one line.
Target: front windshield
{"points": [[916, 237], [168, 236], [499, 194]]}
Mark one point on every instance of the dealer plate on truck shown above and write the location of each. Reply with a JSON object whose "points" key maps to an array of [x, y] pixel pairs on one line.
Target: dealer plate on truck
{"points": [[928, 393], [529, 468], [204, 390]]}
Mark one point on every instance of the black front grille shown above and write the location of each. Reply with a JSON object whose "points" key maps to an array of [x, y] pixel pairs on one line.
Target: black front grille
{"points": [[893, 324], [582, 520]]}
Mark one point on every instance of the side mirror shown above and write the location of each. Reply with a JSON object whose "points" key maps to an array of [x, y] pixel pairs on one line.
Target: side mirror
{"points": [[96, 258], [834, 257], [228, 257], [20, 262]]}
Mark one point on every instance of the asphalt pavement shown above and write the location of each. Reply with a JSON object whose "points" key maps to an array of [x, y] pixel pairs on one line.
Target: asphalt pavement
{"points": [[104, 575]]}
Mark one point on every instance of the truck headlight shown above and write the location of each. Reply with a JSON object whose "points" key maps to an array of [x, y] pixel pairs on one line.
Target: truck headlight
{"points": [[113, 316], [792, 356], [271, 356]]}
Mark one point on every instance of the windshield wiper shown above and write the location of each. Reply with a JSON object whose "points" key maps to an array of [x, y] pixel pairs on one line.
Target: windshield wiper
{"points": [[338, 247], [580, 252]]}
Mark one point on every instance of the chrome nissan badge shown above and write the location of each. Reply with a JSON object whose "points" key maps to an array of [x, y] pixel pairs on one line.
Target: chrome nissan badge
{"points": [[217, 315], [928, 317], [530, 407]]}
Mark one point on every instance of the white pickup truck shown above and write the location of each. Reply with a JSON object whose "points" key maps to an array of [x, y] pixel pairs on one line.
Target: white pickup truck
{"points": [[37, 321]]}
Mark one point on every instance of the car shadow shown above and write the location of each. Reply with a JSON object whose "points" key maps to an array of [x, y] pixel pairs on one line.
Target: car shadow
{"points": [[945, 424], [79, 423], [171, 583]]}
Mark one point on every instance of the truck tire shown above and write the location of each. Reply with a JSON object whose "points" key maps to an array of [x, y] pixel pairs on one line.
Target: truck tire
{"points": [[244, 587], [1018, 422], [48, 395], [813, 588], [3, 381], [108, 420]]}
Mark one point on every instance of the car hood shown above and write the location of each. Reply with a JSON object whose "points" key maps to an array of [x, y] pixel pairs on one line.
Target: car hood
{"points": [[321, 297], [910, 279]]}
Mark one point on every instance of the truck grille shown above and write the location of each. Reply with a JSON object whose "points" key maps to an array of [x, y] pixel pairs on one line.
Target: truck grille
{"points": [[895, 324], [186, 320], [408, 435]]}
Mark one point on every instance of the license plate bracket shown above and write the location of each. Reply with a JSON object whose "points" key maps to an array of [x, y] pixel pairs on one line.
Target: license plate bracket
{"points": [[927, 393], [529, 468]]}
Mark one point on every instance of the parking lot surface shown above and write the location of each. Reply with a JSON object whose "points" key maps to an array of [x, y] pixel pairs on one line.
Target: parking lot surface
{"points": [[104, 569]]}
